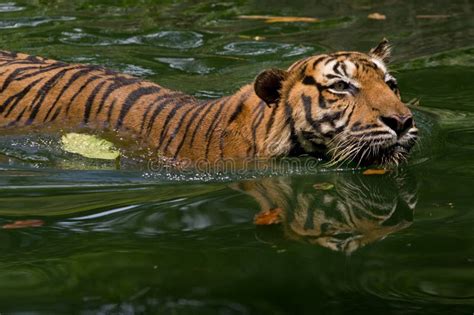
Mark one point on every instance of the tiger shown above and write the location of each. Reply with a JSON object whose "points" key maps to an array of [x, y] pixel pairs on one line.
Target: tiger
{"points": [[343, 106], [355, 211]]}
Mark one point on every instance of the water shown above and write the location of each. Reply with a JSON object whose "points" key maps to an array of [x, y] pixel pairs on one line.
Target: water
{"points": [[132, 241]]}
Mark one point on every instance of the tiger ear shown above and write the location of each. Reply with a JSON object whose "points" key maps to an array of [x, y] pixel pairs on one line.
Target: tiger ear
{"points": [[383, 51], [268, 84]]}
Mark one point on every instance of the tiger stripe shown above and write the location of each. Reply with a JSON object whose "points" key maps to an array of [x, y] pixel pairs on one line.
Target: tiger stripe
{"points": [[74, 77]]}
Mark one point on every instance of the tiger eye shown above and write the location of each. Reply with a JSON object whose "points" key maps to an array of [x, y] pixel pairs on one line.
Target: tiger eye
{"points": [[340, 86]]}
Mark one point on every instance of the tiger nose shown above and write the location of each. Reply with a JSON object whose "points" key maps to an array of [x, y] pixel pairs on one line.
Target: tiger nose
{"points": [[399, 124]]}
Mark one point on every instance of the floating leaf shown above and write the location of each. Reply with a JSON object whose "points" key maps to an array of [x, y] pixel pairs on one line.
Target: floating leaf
{"points": [[377, 16], [323, 186], [89, 146], [268, 217], [374, 171], [257, 38], [279, 19], [433, 16], [21, 224]]}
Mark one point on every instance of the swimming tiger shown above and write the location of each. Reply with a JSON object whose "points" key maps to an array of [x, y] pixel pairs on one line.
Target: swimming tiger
{"points": [[344, 105]]}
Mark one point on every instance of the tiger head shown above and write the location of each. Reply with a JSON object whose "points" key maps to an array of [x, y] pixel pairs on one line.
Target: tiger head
{"points": [[345, 105]]}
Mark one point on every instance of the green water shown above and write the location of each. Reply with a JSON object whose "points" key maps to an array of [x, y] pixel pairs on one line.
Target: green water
{"points": [[133, 241]]}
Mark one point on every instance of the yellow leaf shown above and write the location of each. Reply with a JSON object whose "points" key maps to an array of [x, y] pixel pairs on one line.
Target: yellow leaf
{"points": [[377, 16], [257, 38], [89, 146], [279, 19]]}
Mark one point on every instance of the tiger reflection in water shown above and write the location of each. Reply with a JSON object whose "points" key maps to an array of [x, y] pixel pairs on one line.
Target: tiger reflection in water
{"points": [[358, 210]]}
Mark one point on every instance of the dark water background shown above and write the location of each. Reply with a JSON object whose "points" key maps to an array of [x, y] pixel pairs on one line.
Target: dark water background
{"points": [[131, 241]]}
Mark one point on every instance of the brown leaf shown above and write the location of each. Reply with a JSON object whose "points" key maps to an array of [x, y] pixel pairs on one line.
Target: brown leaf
{"points": [[433, 16], [268, 217], [21, 224], [279, 19], [377, 16], [371, 171]]}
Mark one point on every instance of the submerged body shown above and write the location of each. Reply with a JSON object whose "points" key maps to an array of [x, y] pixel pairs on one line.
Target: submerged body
{"points": [[42, 92], [340, 105]]}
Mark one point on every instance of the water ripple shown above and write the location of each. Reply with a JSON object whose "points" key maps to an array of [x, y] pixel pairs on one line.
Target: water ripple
{"points": [[166, 39], [10, 7], [189, 65], [174, 39], [249, 48], [137, 71], [436, 284], [32, 22], [81, 38]]}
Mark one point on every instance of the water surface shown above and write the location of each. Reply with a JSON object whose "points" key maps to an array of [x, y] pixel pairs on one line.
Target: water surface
{"points": [[134, 241]]}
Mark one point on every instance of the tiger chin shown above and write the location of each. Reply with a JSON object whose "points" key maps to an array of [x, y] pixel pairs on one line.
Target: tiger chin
{"points": [[344, 106]]}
